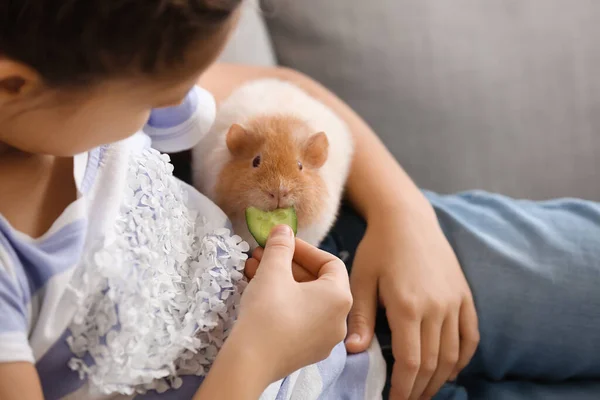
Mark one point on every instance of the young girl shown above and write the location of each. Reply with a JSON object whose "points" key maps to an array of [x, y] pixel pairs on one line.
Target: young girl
{"points": [[116, 278], [100, 246]]}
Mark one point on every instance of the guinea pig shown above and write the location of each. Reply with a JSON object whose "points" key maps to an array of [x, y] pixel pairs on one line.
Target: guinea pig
{"points": [[274, 146]]}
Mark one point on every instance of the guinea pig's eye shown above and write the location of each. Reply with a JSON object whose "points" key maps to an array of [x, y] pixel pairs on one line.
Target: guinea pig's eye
{"points": [[300, 167], [256, 162]]}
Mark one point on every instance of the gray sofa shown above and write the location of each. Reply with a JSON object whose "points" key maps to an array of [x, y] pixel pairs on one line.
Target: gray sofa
{"points": [[500, 95]]}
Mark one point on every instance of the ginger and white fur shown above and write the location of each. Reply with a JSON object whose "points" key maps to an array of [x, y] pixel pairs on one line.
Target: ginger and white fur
{"points": [[305, 153]]}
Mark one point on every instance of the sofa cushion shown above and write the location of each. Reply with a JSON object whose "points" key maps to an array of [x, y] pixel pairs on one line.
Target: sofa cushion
{"points": [[249, 43], [502, 95]]}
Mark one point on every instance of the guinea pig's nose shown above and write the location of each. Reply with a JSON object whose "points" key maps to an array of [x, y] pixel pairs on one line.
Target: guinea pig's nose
{"points": [[279, 194]]}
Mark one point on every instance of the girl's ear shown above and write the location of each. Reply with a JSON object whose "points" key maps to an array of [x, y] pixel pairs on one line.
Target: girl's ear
{"points": [[242, 142], [316, 150], [16, 80]]}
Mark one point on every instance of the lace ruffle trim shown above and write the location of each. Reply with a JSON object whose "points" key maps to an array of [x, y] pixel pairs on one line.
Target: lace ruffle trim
{"points": [[159, 300]]}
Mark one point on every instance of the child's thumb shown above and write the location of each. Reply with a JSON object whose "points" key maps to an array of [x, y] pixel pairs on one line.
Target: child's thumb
{"points": [[279, 250]]}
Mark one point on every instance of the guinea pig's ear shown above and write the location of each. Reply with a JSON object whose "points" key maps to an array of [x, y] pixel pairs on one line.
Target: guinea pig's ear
{"points": [[316, 150], [241, 141]]}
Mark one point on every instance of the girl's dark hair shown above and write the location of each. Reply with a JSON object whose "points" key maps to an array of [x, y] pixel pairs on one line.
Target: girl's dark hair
{"points": [[77, 41]]}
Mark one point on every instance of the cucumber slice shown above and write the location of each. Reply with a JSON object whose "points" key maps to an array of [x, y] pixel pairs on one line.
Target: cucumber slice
{"points": [[261, 222]]}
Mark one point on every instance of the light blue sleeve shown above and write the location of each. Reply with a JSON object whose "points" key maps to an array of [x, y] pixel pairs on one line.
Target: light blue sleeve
{"points": [[14, 343], [179, 128]]}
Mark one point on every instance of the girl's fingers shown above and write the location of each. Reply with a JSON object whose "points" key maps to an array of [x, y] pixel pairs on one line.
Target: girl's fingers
{"points": [[406, 348], [449, 350], [300, 274], [312, 258], [251, 267], [430, 350], [469, 335]]}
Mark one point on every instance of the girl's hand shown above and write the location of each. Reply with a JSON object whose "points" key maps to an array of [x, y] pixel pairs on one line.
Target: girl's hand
{"points": [[428, 303], [288, 324]]}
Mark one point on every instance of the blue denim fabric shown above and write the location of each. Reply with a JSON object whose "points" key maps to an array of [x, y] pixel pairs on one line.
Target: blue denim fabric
{"points": [[534, 269]]}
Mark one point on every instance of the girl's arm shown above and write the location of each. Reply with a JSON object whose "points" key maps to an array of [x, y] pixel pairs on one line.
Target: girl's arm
{"points": [[237, 373], [404, 257], [19, 381]]}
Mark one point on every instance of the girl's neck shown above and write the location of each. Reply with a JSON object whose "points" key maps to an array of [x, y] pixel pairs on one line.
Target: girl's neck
{"points": [[34, 189]]}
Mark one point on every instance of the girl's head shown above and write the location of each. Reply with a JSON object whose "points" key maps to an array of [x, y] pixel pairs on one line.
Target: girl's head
{"points": [[75, 74]]}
